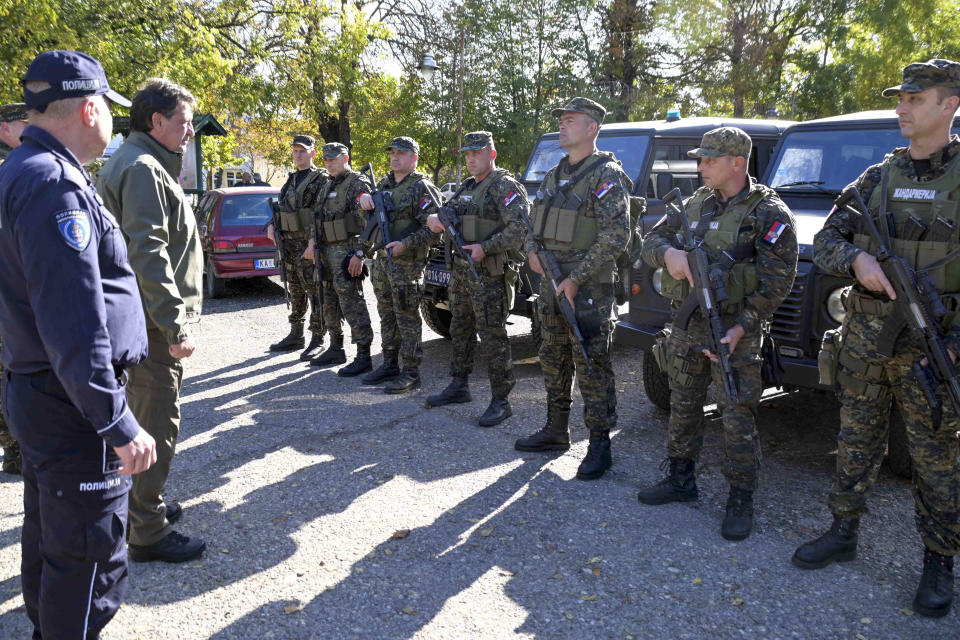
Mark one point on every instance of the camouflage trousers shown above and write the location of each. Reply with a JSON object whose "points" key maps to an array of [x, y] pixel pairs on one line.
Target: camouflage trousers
{"points": [[346, 295], [868, 383], [690, 373], [399, 292], [301, 284], [560, 357], [480, 308]]}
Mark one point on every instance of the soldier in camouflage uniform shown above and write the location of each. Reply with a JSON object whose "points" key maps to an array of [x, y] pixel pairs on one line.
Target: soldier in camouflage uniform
{"points": [[922, 181], [297, 198], [13, 120], [339, 221], [489, 206], [581, 215], [732, 213], [400, 289]]}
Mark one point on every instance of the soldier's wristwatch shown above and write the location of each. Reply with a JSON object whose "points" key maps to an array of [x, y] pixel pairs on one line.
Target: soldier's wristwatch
{"points": [[359, 254]]}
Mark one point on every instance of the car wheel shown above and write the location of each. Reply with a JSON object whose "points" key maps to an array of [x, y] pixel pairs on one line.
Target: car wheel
{"points": [[655, 382], [898, 454], [214, 287], [436, 318]]}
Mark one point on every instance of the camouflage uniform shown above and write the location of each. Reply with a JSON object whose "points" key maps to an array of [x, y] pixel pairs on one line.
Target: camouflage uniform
{"points": [[339, 216], [869, 381], [766, 238], [399, 291], [299, 193], [482, 307], [11, 450], [592, 270]]}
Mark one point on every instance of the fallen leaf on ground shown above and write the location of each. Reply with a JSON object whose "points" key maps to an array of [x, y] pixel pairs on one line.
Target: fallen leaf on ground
{"points": [[486, 532], [697, 580], [399, 534], [738, 602], [409, 611], [906, 612], [596, 571], [595, 560], [588, 598], [291, 608]]}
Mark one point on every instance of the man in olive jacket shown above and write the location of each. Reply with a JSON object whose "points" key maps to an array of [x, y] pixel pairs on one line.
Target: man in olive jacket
{"points": [[140, 186]]}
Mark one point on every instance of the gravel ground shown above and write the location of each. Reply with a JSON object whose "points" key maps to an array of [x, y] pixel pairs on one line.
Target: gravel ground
{"points": [[331, 510]]}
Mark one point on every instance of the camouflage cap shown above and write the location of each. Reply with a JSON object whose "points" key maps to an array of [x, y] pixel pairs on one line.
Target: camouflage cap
{"points": [[583, 105], [13, 112], [477, 140], [919, 76], [723, 141], [304, 141], [403, 143], [334, 150]]}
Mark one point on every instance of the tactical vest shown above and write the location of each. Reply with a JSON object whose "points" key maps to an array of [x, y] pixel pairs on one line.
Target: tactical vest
{"points": [[565, 228], [296, 212], [477, 221], [336, 209], [925, 201], [724, 232], [403, 220]]}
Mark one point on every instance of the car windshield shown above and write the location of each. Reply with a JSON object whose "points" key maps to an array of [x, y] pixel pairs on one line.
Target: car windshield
{"points": [[630, 150], [246, 210], [830, 160]]}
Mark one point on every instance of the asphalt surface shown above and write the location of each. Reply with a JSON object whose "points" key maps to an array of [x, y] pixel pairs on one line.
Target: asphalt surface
{"points": [[331, 510]]}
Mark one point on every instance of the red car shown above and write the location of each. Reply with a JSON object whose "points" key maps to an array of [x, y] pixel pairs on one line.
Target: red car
{"points": [[235, 243]]}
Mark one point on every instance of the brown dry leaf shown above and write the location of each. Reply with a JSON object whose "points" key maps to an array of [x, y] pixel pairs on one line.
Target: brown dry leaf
{"points": [[399, 534], [486, 532], [409, 611], [738, 602], [588, 598], [291, 608], [596, 571]]}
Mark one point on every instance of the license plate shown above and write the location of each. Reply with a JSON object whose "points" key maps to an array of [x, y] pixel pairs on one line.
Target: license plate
{"points": [[437, 276], [266, 263]]}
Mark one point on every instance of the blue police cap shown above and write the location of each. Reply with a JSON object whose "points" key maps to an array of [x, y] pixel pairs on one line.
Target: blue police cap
{"points": [[70, 74]]}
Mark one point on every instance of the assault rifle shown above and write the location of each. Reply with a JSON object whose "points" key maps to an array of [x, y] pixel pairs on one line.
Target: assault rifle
{"points": [[918, 308], [379, 214], [709, 291], [451, 223], [281, 254], [316, 297], [551, 269]]}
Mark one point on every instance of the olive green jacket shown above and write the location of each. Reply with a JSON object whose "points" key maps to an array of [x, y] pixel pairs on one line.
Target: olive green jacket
{"points": [[140, 186]]}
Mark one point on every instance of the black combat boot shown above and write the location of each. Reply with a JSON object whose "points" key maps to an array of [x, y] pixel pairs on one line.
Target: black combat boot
{"points": [[293, 340], [738, 521], [457, 392], [935, 593], [553, 436], [11, 460], [680, 485], [498, 411], [839, 544], [389, 370], [361, 364], [334, 353], [313, 347], [408, 380], [598, 458]]}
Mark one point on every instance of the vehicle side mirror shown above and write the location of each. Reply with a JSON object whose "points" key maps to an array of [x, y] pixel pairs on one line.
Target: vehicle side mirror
{"points": [[664, 184]]}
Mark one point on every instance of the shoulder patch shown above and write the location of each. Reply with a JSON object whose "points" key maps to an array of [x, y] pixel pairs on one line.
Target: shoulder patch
{"points": [[604, 188], [509, 198], [425, 202], [773, 234], [74, 227]]}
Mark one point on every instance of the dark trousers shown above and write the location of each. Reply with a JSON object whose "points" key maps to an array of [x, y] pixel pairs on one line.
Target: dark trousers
{"points": [[74, 560]]}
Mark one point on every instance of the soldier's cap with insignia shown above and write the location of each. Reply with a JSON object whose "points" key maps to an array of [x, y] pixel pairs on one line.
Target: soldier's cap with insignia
{"points": [[920, 76], [304, 141], [403, 143], [70, 74], [583, 105], [13, 112], [477, 140], [723, 141], [335, 150]]}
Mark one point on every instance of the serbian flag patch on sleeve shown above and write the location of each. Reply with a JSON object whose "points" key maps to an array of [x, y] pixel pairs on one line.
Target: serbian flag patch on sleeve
{"points": [[774, 233], [606, 186], [425, 202], [510, 197]]}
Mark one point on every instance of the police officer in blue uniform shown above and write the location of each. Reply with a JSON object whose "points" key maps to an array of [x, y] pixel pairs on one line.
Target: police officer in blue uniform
{"points": [[71, 322]]}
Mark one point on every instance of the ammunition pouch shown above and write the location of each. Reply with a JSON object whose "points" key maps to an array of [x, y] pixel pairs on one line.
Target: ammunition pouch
{"points": [[659, 349], [828, 358], [290, 221], [341, 229], [563, 229], [510, 276]]}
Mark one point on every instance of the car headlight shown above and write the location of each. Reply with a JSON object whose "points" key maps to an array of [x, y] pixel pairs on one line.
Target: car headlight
{"points": [[835, 305], [657, 280]]}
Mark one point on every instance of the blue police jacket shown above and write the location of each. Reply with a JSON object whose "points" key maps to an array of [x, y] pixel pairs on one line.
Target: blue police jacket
{"points": [[68, 298]]}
